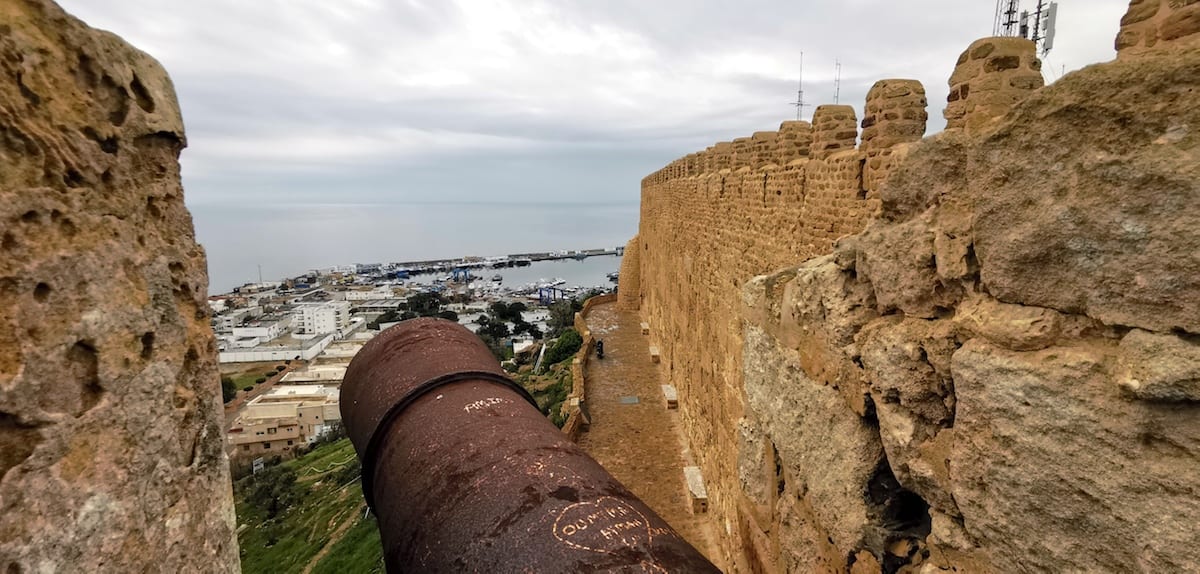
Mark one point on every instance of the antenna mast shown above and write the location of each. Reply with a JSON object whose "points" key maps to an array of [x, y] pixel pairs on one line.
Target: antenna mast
{"points": [[799, 103], [837, 82], [1038, 26], [1006, 20]]}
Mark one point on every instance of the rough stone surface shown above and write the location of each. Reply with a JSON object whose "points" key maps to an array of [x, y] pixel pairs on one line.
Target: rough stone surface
{"points": [[629, 286], [1160, 367], [704, 235], [111, 454], [829, 452], [907, 362], [1151, 26], [1054, 470], [1107, 230], [1008, 328], [992, 76]]}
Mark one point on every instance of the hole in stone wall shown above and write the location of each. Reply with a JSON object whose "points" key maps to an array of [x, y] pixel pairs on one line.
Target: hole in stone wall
{"points": [[17, 442], [41, 292], [897, 509], [142, 95], [73, 178], [152, 208], [68, 227], [84, 368], [107, 144], [31, 216], [780, 480], [147, 345], [972, 260], [9, 242]]}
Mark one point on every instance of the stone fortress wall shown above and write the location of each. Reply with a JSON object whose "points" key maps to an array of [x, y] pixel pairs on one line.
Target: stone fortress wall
{"points": [[969, 370], [111, 428]]}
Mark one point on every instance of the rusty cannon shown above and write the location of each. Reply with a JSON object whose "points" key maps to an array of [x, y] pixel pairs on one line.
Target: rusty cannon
{"points": [[465, 474]]}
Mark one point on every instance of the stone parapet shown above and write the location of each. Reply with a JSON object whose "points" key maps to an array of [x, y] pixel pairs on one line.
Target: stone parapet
{"points": [[1156, 25], [991, 76]]}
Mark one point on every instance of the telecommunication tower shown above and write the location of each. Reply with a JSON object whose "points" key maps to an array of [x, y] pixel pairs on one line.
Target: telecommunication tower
{"points": [[837, 82], [799, 103], [1038, 26], [1006, 18]]}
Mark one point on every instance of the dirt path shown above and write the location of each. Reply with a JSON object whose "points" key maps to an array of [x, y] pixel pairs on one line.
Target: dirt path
{"points": [[640, 444], [333, 538]]}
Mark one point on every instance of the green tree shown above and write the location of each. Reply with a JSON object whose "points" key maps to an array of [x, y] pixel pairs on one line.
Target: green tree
{"points": [[510, 312], [448, 315], [567, 344], [521, 326], [425, 304], [562, 316], [386, 317], [498, 349], [228, 389], [492, 328], [273, 490]]}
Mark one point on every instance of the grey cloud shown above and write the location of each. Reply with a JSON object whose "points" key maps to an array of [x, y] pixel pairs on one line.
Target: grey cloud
{"points": [[300, 100]]}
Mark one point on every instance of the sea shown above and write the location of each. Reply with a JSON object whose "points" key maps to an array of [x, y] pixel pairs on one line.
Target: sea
{"points": [[286, 240]]}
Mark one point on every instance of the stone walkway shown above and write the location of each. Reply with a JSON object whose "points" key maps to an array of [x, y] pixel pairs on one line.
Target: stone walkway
{"points": [[639, 444]]}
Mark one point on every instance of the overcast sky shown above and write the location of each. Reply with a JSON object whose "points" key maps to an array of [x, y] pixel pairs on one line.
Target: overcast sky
{"points": [[364, 101]]}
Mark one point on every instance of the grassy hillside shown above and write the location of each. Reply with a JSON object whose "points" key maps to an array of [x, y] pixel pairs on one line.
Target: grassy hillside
{"points": [[306, 515]]}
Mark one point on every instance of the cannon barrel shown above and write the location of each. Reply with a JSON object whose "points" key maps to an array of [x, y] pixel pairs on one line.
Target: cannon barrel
{"points": [[464, 473]]}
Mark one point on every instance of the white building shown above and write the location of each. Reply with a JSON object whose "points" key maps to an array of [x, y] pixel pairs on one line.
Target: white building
{"points": [[227, 321], [321, 318], [283, 418], [264, 330], [372, 294]]}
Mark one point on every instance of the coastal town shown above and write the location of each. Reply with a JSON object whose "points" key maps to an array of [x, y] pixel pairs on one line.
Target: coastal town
{"points": [[284, 346]]}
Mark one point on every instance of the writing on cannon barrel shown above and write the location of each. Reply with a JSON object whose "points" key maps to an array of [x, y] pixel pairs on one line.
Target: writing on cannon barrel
{"points": [[484, 403]]}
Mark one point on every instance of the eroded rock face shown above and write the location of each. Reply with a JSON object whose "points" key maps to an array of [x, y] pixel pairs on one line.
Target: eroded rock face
{"points": [[111, 453], [1025, 325], [1055, 471]]}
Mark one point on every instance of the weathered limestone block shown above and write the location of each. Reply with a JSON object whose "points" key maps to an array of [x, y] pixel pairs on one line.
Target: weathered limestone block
{"points": [[935, 169], [743, 154], [907, 363], [817, 309], [629, 279], [835, 129], [795, 139], [828, 449], [895, 115], [758, 475], [1110, 228], [898, 260], [764, 147], [1160, 368], [722, 156], [111, 429], [1156, 25], [1054, 470], [704, 162], [991, 77], [691, 166], [1016, 327], [803, 544]]}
